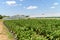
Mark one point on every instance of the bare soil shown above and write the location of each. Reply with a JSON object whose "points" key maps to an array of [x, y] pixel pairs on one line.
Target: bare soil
{"points": [[3, 32]]}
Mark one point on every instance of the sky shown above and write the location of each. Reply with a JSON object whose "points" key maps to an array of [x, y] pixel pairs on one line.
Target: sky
{"points": [[33, 8]]}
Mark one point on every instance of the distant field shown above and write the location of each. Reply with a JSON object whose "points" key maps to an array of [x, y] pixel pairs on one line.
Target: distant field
{"points": [[34, 29]]}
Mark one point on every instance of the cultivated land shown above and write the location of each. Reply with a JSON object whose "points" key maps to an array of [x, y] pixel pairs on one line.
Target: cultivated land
{"points": [[34, 29], [30, 29], [4, 33]]}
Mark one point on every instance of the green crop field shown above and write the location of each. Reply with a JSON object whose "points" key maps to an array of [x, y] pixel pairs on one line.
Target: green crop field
{"points": [[34, 29]]}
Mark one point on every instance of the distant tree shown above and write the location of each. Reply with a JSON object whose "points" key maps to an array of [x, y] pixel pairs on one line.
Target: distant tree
{"points": [[27, 16], [1, 16]]}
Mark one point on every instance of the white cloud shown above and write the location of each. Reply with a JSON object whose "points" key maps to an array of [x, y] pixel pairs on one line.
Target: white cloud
{"points": [[11, 2], [32, 7], [55, 3], [21, 0], [53, 7]]}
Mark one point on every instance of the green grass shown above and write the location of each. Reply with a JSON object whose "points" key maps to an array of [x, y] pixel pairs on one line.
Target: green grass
{"points": [[9, 34]]}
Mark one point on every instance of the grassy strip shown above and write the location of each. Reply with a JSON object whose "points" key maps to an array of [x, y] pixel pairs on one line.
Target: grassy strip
{"points": [[10, 36]]}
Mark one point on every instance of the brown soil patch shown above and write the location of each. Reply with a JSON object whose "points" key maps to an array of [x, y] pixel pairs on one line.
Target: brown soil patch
{"points": [[3, 32]]}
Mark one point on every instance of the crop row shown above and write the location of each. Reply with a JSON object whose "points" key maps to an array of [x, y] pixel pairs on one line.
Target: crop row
{"points": [[34, 29]]}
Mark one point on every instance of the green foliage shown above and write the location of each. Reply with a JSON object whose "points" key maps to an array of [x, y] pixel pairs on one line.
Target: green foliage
{"points": [[1, 16], [34, 29]]}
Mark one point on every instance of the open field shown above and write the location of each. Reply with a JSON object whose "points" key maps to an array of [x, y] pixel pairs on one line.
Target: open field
{"points": [[29, 19], [34, 29]]}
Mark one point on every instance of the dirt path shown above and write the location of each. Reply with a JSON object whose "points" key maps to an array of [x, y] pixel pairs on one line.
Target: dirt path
{"points": [[3, 32]]}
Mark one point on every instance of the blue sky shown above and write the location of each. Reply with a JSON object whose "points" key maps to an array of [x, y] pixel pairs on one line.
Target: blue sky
{"points": [[30, 7]]}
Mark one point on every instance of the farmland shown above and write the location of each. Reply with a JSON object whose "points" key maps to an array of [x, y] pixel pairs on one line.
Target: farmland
{"points": [[34, 29]]}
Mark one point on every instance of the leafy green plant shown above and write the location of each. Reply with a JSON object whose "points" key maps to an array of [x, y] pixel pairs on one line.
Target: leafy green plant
{"points": [[34, 29]]}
